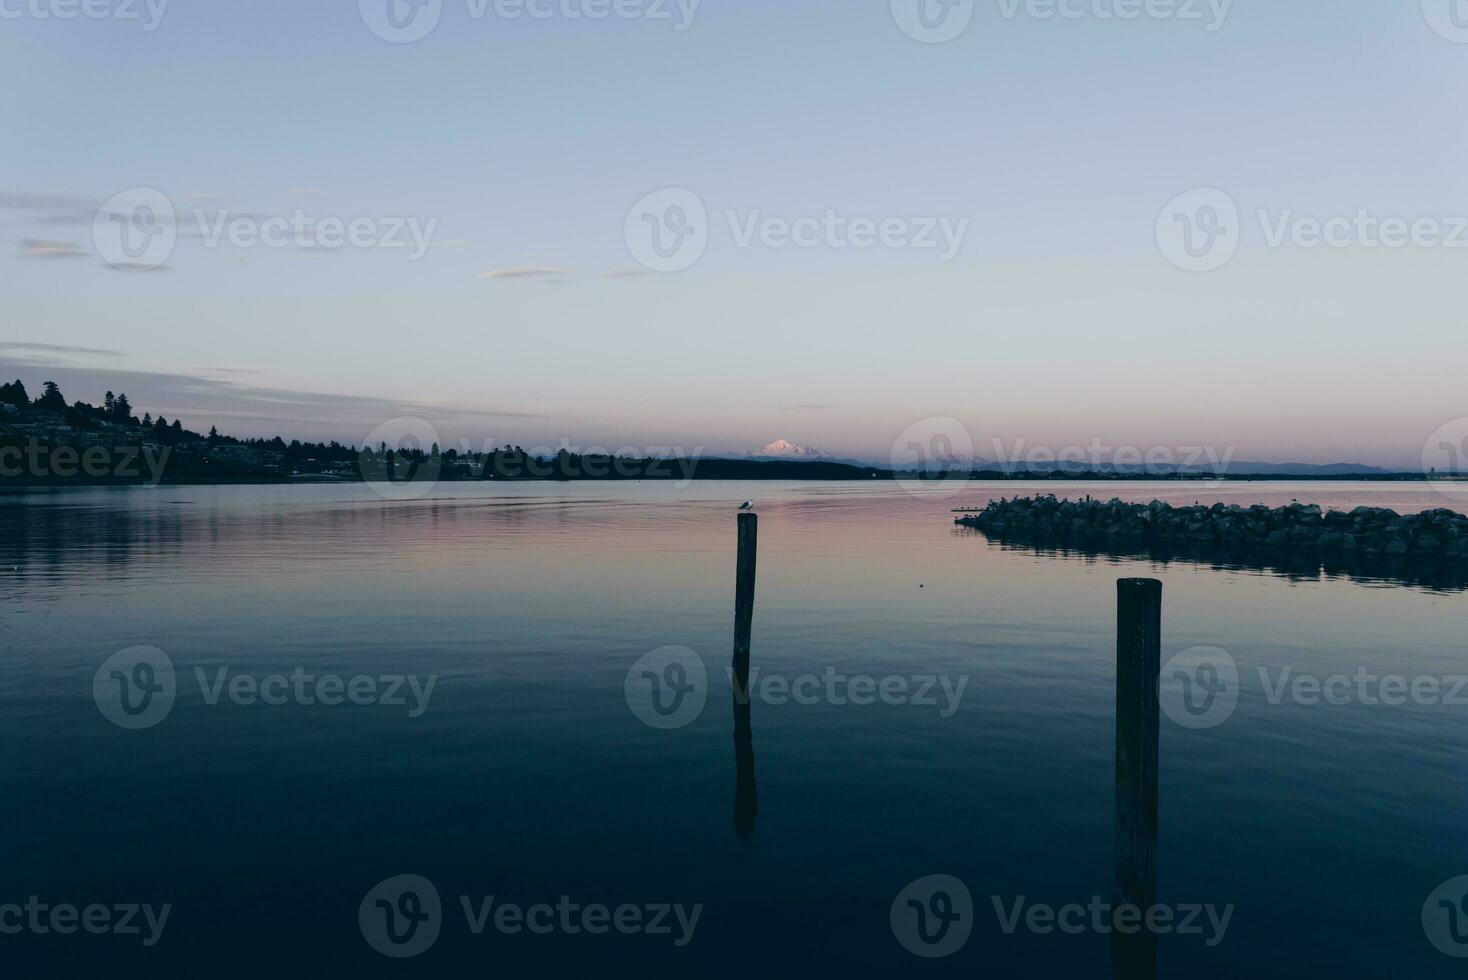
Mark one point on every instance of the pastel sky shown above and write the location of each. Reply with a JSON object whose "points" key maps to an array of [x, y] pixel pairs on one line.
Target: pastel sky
{"points": [[527, 142]]}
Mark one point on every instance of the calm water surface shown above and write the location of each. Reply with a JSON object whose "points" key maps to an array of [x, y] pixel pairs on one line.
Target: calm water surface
{"points": [[529, 778]]}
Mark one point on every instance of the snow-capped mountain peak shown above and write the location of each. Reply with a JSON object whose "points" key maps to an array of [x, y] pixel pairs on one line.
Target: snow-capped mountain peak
{"points": [[781, 449]]}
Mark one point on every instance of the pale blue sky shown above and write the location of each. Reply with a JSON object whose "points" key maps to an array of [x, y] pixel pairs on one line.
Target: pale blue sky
{"points": [[528, 141]]}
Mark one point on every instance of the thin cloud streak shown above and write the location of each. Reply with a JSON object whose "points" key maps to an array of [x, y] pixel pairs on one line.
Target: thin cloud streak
{"points": [[37, 248], [201, 401], [23, 347], [528, 272]]}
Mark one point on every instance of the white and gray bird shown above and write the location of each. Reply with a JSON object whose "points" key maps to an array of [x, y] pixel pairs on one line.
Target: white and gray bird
{"points": [[747, 505]]}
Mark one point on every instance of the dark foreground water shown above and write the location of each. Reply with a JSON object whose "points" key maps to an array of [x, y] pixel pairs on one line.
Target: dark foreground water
{"points": [[1319, 825]]}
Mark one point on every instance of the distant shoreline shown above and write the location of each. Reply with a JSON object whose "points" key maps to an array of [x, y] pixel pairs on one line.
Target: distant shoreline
{"points": [[47, 441], [713, 470]]}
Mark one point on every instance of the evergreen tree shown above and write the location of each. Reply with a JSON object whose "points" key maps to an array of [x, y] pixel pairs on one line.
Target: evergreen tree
{"points": [[14, 394], [51, 399]]}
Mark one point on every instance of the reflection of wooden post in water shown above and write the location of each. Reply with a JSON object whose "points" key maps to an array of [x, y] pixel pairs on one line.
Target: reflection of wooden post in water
{"points": [[746, 800], [1138, 664]]}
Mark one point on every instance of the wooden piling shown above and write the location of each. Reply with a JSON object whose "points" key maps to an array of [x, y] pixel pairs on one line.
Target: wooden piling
{"points": [[746, 796], [1138, 666], [744, 595]]}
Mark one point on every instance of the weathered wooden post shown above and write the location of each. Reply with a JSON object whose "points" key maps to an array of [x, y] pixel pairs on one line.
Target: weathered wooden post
{"points": [[746, 798], [1138, 666], [744, 595]]}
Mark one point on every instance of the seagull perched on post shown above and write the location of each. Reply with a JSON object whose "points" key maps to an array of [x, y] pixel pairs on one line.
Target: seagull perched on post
{"points": [[747, 505]]}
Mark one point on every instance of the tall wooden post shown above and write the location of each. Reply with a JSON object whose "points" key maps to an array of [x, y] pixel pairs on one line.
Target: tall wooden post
{"points": [[1138, 666], [744, 595], [746, 797]]}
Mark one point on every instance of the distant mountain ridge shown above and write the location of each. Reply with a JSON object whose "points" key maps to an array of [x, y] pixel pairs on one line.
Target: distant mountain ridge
{"points": [[785, 451]]}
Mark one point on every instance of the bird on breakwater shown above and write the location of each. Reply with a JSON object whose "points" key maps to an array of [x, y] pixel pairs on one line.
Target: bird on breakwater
{"points": [[747, 505]]}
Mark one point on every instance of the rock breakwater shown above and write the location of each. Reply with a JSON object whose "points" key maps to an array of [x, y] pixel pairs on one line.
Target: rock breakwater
{"points": [[1433, 535]]}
